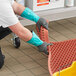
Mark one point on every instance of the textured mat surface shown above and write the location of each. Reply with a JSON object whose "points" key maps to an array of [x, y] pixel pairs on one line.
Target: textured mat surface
{"points": [[61, 54]]}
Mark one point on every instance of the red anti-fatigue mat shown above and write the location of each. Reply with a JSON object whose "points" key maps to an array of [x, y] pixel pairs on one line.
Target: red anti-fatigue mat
{"points": [[61, 54]]}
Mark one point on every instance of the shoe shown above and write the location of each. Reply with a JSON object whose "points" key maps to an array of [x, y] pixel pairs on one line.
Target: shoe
{"points": [[2, 57]]}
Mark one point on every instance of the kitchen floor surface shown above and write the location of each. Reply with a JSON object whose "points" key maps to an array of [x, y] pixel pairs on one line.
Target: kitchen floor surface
{"points": [[26, 60]]}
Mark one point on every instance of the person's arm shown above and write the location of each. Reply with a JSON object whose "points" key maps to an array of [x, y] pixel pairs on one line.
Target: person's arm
{"points": [[21, 31], [18, 8], [29, 14], [30, 37], [24, 33]]}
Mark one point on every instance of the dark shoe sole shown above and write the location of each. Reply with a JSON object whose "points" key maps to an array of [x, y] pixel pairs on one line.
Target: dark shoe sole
{"points": [[2, 62]]}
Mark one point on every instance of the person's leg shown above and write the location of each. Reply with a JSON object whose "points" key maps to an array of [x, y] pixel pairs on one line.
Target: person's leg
{"points": [[4, 32], [1, 59]]}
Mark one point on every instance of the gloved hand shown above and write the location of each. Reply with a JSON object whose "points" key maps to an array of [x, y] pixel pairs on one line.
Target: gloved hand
{"points": [[43, 47], [42, 22]]}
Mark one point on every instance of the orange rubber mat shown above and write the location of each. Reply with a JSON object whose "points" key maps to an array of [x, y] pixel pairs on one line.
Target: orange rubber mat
{"points": [[43, 34], [61, 54]]}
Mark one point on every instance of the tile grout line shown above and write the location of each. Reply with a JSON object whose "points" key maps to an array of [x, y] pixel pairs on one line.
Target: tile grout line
{"points": [[31, 58], [65, 27], [71, 22], [60, 32]]}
